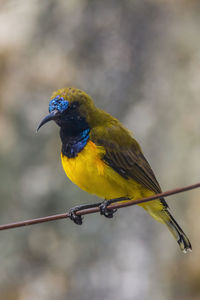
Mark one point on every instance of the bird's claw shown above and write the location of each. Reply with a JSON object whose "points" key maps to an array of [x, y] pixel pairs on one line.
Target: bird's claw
{"points": [[74, 217], [104, 210]]}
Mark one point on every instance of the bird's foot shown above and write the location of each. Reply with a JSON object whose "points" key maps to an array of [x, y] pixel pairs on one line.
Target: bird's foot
{"points": [[109, 212], [74, 217], [78, 219], [105, 211], [103, 207]]}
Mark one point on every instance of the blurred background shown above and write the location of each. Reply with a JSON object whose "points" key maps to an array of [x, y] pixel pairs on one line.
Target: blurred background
{"points": [[140, 61]]}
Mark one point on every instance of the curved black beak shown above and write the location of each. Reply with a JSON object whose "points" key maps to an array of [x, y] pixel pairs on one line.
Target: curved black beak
{"points": [[52, 116]]}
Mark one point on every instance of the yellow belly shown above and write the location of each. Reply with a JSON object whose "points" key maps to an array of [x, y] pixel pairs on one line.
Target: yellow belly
{"points": [[91, 174]]}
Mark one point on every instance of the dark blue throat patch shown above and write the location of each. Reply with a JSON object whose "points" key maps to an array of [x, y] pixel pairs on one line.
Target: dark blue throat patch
{"points": [[74, 130], [72, 145]]}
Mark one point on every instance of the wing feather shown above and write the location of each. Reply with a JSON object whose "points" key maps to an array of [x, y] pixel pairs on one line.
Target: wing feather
{"points": [[124, 155]]}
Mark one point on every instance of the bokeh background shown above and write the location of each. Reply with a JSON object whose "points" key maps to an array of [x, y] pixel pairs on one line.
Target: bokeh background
{"points": [[140, 61]]}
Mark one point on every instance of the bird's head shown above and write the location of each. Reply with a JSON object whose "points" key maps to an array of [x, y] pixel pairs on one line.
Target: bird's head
{"points": [[70, 107]]}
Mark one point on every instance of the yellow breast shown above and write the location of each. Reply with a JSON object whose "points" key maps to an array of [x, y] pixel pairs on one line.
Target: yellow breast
{"points": [[90, 173]]}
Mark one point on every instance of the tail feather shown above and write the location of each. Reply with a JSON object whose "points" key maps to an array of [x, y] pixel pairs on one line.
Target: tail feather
{"points": [[177, 232], [159, 210]]}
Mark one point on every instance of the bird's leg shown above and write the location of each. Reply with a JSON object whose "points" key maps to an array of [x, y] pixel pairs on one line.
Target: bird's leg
{"points": [[79, 219], [108, 212]]}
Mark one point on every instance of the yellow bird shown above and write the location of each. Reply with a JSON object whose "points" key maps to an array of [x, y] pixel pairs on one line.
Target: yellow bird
{"points": [[101, 156]]}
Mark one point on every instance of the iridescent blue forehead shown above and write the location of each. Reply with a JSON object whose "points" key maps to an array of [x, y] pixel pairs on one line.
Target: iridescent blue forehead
{"points": [[58, 103]]}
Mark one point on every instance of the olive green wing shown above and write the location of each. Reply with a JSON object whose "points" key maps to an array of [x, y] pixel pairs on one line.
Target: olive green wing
{"points": [[124, 154]]}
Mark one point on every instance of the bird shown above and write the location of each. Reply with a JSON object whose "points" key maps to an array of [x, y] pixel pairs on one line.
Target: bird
{"points": [[103, 158]]}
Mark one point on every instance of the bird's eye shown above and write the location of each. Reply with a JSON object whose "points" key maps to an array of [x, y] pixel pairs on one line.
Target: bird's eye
{"points": [[74, 105]]}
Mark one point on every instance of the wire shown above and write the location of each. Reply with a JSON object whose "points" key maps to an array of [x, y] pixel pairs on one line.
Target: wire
{"points": [[96, 209]]}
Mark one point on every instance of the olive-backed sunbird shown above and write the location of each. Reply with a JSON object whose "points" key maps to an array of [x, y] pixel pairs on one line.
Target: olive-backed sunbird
{"points": [[101, 156]]}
